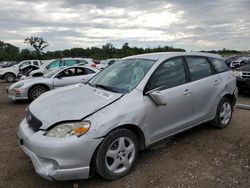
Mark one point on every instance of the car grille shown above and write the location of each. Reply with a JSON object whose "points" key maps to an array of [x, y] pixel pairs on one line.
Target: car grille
{"points": [[32, 121], [245, 75]]}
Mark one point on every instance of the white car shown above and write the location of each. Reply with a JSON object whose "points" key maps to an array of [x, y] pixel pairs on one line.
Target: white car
{"points": [[56, 63], [105, 63], [239, 62], [10, 73], [64, 76]]}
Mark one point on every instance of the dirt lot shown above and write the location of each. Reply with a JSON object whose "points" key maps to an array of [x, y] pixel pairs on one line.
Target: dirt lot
{"points": [[201, 157]]}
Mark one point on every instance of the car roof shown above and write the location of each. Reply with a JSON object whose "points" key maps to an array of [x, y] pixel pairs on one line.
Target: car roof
{"points": [[166, 55]]}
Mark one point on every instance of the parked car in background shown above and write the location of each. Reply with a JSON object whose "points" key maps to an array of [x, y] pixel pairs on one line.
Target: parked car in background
{"points": [[240, 62], [130, 105], [105, 63], [242, 75], [10, 73], [34, 87], [56, 63], [24, 71], [6, 64], [229, 59]]}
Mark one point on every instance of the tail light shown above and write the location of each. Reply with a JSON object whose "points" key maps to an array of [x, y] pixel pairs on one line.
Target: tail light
{"points": [[93, 65]]}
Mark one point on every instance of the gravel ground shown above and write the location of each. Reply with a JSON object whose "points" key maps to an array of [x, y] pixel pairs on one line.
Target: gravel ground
{"points": [[200, 157]]}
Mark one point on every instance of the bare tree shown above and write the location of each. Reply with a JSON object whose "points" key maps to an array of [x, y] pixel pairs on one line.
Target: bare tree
{"points": [[37, 43]]}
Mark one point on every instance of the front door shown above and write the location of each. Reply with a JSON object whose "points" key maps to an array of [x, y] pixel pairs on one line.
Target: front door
{"points": [[176, 115]]}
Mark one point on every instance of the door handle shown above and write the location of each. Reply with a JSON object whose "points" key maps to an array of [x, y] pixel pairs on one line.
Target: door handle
{"points": [[216, 82], [187, 92]]}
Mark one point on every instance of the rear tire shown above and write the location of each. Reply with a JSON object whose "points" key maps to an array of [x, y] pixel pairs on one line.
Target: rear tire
{"points": [[223, 114], [10, 77], [36, 91], [117, 154]]}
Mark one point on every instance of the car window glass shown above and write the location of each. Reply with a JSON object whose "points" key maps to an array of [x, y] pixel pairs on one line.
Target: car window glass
{"points": [[68, 72], [169, 74], [54, 64], [82, 62], [219, 65], [111, 62], [199, 67], [24, 64], [124, 75], [80, 71], [35, 63], [70, 62], [89, 71]]}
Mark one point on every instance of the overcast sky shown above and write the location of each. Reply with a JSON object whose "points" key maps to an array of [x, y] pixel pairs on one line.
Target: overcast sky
{"points": [[189, 24]]}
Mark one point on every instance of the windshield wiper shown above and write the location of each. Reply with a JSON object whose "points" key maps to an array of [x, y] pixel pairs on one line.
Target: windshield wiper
{"points": [[112, 89]]}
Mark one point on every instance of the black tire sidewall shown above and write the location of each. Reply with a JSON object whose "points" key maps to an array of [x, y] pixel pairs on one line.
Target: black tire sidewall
{"points": [[100, 163], [217, 122], [9, 74], [30, 96]]}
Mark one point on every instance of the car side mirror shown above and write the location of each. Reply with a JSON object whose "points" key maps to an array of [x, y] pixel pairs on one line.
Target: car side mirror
{"points": [[157, 97]]}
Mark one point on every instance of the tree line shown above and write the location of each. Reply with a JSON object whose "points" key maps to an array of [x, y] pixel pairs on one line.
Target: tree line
{"points": [[9, 52]]}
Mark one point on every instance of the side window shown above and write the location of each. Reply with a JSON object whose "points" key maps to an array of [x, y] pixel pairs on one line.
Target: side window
{"points": [[219, 65], [24, 64], [111, 62], [54, 64], [199, 67], [80, 71], [68, 72], [89, 71], [70, 62], [82, 62], [36, 63], [169, 74]]}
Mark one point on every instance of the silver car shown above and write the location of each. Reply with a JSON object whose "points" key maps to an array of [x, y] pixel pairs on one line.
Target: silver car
{"points": [[70, 132], [31, 88]]}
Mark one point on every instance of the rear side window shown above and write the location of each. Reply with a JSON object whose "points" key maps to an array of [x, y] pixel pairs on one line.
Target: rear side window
{"points": [[169, 74], [70, 62], [83, 62], [219, 65], [89, 71], [35, 63], [199, 67]]}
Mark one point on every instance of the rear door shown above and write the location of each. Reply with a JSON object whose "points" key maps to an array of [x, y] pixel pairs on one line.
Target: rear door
{"points": [[206, 87], [70, 62], [176, 115]]}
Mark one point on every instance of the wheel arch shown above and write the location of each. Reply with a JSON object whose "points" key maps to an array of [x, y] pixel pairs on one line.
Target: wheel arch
{"points": [[133, 128], [231, 97], [40, 84], [9, 73]]}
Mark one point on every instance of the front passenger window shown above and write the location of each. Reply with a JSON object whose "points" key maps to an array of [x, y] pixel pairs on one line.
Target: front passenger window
{"points": [[68, 72], [169, 74]]}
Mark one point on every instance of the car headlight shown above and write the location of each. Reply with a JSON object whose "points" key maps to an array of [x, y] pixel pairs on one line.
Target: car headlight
{"points": [[18, 85], [237, 73], [69, 129]]}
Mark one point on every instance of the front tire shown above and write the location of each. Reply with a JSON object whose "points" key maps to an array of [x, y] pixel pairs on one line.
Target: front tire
{"points": [[36, 91], [117, 154], [223, 114], [9, 77]]}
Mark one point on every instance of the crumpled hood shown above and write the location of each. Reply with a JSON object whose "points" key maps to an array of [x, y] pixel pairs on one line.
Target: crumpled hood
{"points": [[70, 103]]}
